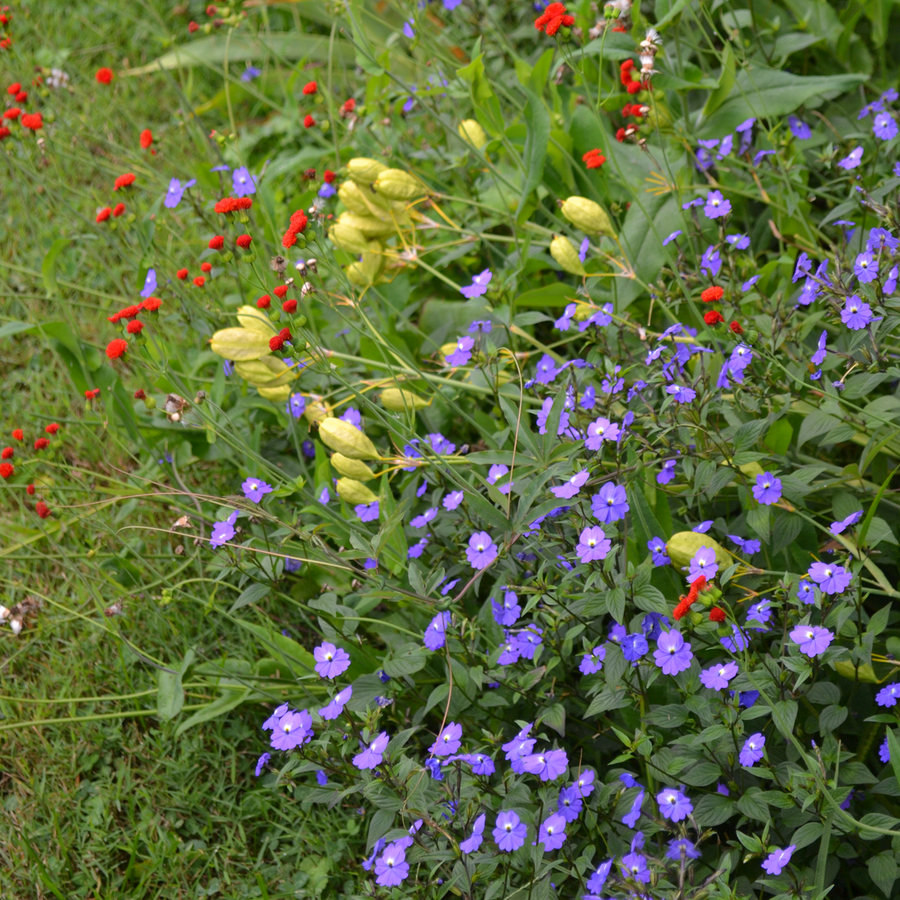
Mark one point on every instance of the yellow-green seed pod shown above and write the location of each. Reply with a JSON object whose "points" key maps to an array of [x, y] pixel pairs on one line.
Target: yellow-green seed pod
{"points": [[352, 468], [363, 201], [239, 344], [348, 238], [399, 400], [587, 216], [566, 255], [395, 184], [368, 226], [363, 170], [275, 394], [254, 319], [315, 411], [354, 491], [472, 133], [367, 270], [344, 438], [267, 371], [685, 545]]}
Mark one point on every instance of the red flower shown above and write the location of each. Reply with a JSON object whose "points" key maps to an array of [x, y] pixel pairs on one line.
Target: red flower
{"points": [[115, 349], [310, 88], [243, 241], [42, 509], [30, 490], [124, 181], [181, 274], [288, 240], [119, 209], [6, 470], [553, 18], [146, 138], [104, 75], [206, 267], [276, 342], [289, 306], [682, 609], [151, 304], [199, 281], [42, 443], [34, 121], [310, 174], [620, 135], [18, 434], [329, 176], [264, 302], [192, 27], [52, 428], [736, 328], [712, 294], [14, 88], [593, 159], [104, 214], [4, 132], [633, 87], [713, 317], [211, 10], [92, 394], [627, 110], [285, 334], [309, 121], [716, 614], [217, 243], [135, 327], [280, 291], [130, 312], [139, 394], [232, 204], [22, 96], [12, 113], [7, 453], [349, 106]]}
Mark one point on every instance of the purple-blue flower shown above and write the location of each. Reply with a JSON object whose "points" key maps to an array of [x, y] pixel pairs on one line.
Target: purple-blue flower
{"points": [[481, 551], [262, 762], [776, 861], [452, 500], [448, 741], [610, 503], [673, 804], [571, 487], [592, 662], [667, 473], [885, 127], [703, 563], [717, 678], [481, 764], [681, 849], [255, 489], [716, 205], [593, 545], [767, 489], [856, 314], [681, 393], [799, 128], [753, 750], [149, 288], [673, 654], [548, 765], [631, 817], [887, 696], [372, 755], [293, 729], [478, 286], [435, 633], [635, 866], [295, 405], [422, 520], [831, 579], [852, 160], [508, 612], [866, 267], [176, 192], [749, 546], [223, 531], [634, 646], [367, 512], [510, 831], [673, 236], [569, 803], [408, 29], [813, 639], [243, 182], [598, 877], [391, 867], [336, 706], [844, 524], [331, 661], [657, 546], [473, 842], [740, 241], [552, 833], [462, 353], [598, 431]]}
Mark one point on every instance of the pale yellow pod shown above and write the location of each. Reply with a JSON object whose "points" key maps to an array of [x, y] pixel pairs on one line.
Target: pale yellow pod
{"points": [[472, 133], [368, 226], [367, 270], [566, 255], [315, 410], [348, 238], [275, 393], [254, 319], [239, 344], [352, 468], [395, 184], [354, 491], [344, 438], [363, 170], [587, 216], [363, 201], [684, 546], [399, 400], [267, 371]]}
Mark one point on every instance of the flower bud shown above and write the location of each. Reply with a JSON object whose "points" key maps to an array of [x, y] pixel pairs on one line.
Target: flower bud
{"points": [[751, 336], [566, 255], [364, 171], [472, 133], [352, 468], [685, 545], [395, 184], [346, 439], [696, 619], [354, 492], [398, 400], [587, 216]]}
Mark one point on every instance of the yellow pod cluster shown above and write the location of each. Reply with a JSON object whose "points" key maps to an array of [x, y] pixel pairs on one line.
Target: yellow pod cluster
{"points": [[587, 216]]}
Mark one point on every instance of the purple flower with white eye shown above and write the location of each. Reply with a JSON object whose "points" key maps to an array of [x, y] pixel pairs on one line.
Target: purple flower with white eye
{"points": [[716, 205], [176, 192], [740, 241], [753, 750], [422, 520], [255, 489], [529, 640], [571, 487], [598, 431], [831, 579], [552, 833], [293, 729], [673, 654], [767, 489], [336, 706], [564, 322], [749, 546], [710, 262], [149, 287], [508, 612], [510, 831], [856, 314], [866, 267], [750, 282], [885, 127], [367, 512], [481, 551], [852, 160], [799, 128], [495, 473], [806, 593], [881, 239], [262, 762], [327, 191], [681, 849], [546, 370], [391, 867], [331, 661], [593, 545], [480, 326], [703, 563], [479, 285], [510, 652], [435, 633], [667, 473], [635, 866], [408, 30], [703, 527], [617, 633], [673, 804], [776, 861], [295, 405], [717, 678], [681, 393], [372, 755], [452, 500], [569, 803], [598, 877], [844, 524], [462, 352], [890, 283], [243, 182], [657, 546], [223, 531], [544, 415], [610, 504], [673, 236], [884, 751], [634, 646], [652, 625], [737, 641], [819, 356], [448, 741], [473, 842], [887, 696], [272, 721], [631, 817], [592, 662], [481, 764], [585, 783], [813, 639]]}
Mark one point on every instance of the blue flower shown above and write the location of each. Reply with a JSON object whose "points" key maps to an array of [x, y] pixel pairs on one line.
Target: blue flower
{"points": [[408, 29], [799, 128], [250, 73], [223, 531], [367, 512], [243, 182], [852, 160], [479, 284], [176, 192], [149, 287], [716, 205]]}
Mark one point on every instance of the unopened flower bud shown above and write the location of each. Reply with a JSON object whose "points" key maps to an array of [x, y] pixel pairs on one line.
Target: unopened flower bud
{"points": [[346, 439], [587, 215], [566, 255]]}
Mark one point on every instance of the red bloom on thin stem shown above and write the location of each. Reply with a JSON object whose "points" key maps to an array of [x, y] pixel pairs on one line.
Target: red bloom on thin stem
{"points": [[289, 306], [553, 18], [280, 291], [42, 509], [329, 176], [135, 327], [12, 113], [6, 470], [217, 242], [42, 443], [34, 121], [139, 394], [146, 138], [232, 204], [22, 96], [104, 214], [593, 159], [310, 88], [713, 317], [92, 393], [52, 428], [14, 89], [276, 342], [125, 180], [118, 210], [620, 135], [18, 434], [716, 614], [308, 121], [264, 302], [348, 107], [736, 328], [243, 241], [181, 274], [206, 267], [712, 294], [116, 348], [30, 490], [104, 75], [684, 604], [151, 304], [4, 132], [7, 453], [192, 27], [199, 281]]}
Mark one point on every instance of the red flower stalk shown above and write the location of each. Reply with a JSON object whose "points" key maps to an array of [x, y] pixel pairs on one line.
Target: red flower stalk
{"points": [[206, 267], [736, 328], [42, 443], [199, 281], [716, 614], [7, 453], [280, 291], [289, 306], [125, 180], [593, 159], [6, 470], [310, 174], [308, 121], [139, 394], [712, 294], [553, 18], [181, 274], [135, 327], [146, 138], [52, 428], [104, 214], [4, 132], [92, 393], [620, 135], [217, 242], [34, 121], [310, 88], [18, 434], [118, 210], [713, 317], [116, 348], [42, 509], [104, 75], [349, 106], [276, 342], [243, 241], [192, 27], [288, 240], [12, 113], [329, 176], [14, 88], [264, 302], [30, 490], [151, 304], [232, 204]]}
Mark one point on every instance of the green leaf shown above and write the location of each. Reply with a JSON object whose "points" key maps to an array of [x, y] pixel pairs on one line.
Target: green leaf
{"points": [[752, 805], [555, 718], [48, 266], [170, 696], [778, 437], [538, 121], [883, 871], [250, 595], [227, 701], [807, 834], [675, 9], [870, 514], [726, 83], [487, 106], [713, 810], [554, 295], [406, 664], [11, 328]]}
